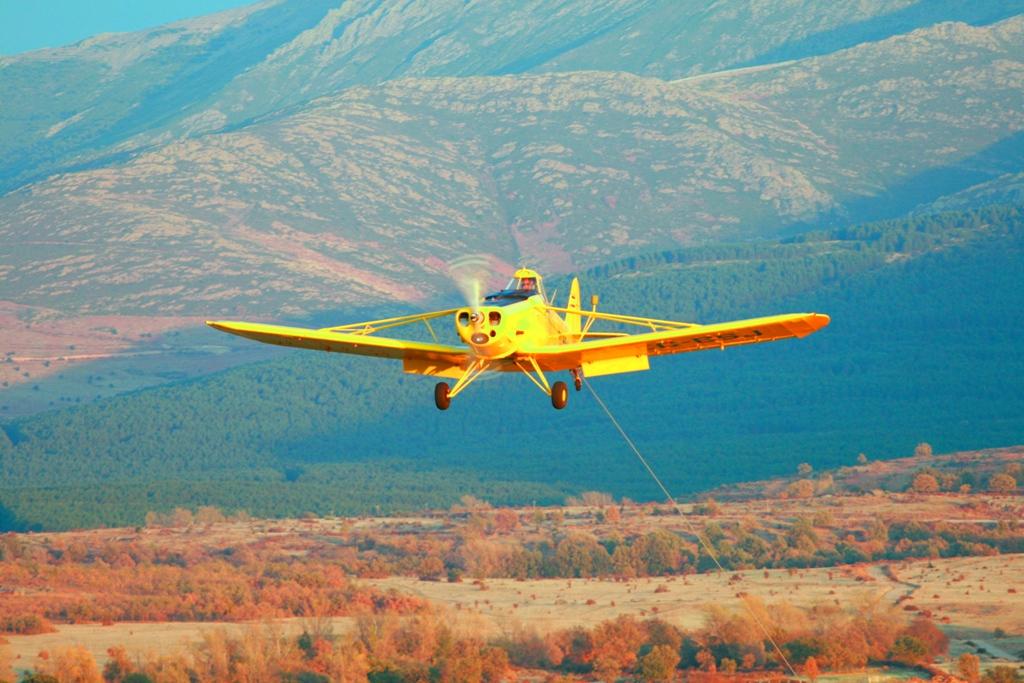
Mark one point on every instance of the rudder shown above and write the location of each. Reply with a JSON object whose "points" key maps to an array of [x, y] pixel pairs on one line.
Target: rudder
{"points": [[572, 318]]}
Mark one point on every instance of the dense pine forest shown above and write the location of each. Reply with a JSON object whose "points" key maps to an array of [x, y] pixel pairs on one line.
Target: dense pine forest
{"points": [[923, 346]]}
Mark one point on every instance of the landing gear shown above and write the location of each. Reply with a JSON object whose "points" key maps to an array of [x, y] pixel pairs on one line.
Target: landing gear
{"points": [[577, 378], [443, 394], [559, 391], [559, 395], [442, 399]]}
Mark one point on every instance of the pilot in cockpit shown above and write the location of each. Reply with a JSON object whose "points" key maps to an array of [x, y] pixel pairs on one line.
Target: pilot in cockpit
{"points": [[523, 285]]}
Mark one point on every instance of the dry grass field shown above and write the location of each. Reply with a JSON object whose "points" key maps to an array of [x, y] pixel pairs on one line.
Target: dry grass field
{"points": [[977, 601], [141, 640], [970, 596], [553, 604]]}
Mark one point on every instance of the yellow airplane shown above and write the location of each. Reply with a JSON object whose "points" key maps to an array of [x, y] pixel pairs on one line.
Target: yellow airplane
{"points": [[518, 329]]}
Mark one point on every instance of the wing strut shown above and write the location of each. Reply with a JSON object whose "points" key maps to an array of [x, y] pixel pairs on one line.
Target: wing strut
{"points": [[371, 326], [654, 324], [476, 368], [540, 380]]}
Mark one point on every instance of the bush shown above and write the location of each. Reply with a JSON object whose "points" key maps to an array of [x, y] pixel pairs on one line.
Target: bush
{"points": [[908, 650], [136, 678], [26, 625], [1002, 483], [804, 488], [925, 483], [659, 664], [1002, 674], [969, 667]]}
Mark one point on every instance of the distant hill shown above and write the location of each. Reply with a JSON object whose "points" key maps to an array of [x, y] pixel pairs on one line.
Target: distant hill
{"points": [[361, 197], [1005, 189], [953, 470], [923, 347], [118, 93]]}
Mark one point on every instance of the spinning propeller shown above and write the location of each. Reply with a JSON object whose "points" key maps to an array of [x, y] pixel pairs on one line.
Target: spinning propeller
{"points": [[470, 273]]}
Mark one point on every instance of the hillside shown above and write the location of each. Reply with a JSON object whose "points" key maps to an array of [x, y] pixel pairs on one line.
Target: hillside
{"points": [[122, 92], [361, 196], [974, 469], [344, 435], [1006, 189]]}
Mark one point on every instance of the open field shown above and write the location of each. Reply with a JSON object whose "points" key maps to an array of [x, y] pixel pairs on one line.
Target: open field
{"points": [[139, 639], [504, 605], [970, 597], [52, 360], [954, 558], [39, 342], [553, 604]]}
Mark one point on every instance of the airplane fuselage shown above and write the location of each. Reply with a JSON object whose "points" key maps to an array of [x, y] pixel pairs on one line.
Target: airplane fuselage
{"points": [[496, 332]]}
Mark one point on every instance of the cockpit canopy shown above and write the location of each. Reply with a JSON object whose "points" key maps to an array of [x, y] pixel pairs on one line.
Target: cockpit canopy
{"points": [[524, 284]]}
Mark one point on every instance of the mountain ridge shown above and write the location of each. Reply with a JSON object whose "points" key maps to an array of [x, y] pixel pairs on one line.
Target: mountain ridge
{"points": [[357, 195], [314, 45]]}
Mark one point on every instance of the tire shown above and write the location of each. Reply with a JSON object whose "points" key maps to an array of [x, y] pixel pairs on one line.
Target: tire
{"points": [[441, 398], [559, 395]]}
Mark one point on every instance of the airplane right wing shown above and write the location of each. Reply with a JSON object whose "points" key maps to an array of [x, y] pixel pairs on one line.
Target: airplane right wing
{"points": [[629, 353]]}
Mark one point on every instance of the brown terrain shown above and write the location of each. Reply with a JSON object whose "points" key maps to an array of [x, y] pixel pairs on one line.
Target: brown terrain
{"points": [[87, 357], [39, 342], [551, 604], [502, 606], [878, 476], [385, 564]]}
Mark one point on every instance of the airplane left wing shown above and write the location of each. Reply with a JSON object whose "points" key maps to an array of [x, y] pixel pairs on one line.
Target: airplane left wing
{"points": [[630, 353], [422, 358]]}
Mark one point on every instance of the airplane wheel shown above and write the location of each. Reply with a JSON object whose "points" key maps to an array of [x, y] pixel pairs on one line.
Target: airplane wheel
{"points": [[559, 395], [578, 383], [441, 398]]}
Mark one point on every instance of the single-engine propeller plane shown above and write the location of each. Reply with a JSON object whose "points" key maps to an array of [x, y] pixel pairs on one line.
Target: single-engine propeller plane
{"points": [[518, 329]]}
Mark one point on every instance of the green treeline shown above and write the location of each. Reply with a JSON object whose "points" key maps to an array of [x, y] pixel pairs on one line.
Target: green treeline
{"points": [[346, 489], [923, 346]]}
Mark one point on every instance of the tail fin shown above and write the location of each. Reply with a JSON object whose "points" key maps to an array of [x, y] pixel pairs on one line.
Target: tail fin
{"points": [[572, 318]]}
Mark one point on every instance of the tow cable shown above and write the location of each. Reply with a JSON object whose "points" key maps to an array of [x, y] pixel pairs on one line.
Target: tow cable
{"points": [[700, 537]]}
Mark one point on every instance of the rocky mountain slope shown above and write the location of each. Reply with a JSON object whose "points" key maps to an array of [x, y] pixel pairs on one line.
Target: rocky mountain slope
{"points": [[363, 196], [112, 93]]}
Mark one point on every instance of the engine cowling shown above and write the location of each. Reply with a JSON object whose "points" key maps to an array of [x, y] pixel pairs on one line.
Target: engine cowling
{"points": [[485, 329]]}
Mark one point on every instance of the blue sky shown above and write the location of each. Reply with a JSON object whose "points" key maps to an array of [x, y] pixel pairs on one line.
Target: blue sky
{"points": [[33, 24]]}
